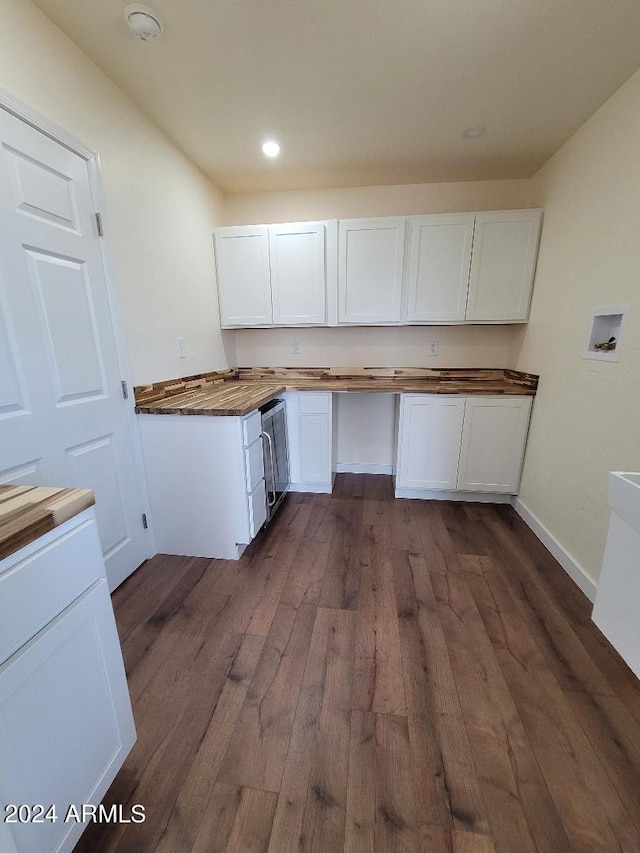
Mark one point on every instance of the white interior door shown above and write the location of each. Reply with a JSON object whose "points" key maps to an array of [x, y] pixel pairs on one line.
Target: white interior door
{"points": [[62, 416]]}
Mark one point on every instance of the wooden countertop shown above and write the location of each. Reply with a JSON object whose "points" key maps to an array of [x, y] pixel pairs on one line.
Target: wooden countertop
{"points": [[239, 392], [27, 512], [229, 398]]}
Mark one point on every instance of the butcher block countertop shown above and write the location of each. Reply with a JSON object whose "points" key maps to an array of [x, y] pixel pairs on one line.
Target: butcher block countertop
{"points": [[238, 392], [27, 512]]}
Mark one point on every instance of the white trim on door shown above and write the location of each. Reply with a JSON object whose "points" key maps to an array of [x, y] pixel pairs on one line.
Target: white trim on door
{"points": [[32, 117]]}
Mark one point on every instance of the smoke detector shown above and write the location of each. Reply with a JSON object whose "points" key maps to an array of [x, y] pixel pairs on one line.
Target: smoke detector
{"points": [[143, 22]]}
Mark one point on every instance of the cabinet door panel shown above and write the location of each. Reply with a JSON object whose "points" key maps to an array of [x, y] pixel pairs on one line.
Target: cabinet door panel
{"points": [[505, 247], [429, 441], [315, 451], [370, 273], [254, 463], [493, 441], [244, 286], [66, 720], [298, 273], [257, 508], [439, 267]]}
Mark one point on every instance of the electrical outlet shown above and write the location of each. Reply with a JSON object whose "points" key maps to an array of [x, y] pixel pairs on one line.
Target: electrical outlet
{"points": [[181, 348], [432, 347], [295, 347]]}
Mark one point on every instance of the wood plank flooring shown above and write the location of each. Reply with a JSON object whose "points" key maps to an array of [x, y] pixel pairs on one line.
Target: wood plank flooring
{"points": [[374, 675]]}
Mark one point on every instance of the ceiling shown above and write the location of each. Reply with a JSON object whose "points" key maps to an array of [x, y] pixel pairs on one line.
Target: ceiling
{"points": [[364, 92]]}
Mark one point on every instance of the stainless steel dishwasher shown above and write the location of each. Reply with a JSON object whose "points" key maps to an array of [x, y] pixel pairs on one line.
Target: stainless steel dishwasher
{"points": [[276, 454]]}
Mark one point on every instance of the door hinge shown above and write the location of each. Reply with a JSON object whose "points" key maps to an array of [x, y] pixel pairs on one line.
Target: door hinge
{"points": [[125, 390], [99, 225], [144, 520]]}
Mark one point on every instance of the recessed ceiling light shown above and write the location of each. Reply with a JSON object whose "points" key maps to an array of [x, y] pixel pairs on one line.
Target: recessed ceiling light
{"points": [[270, 149], [474, 132]]}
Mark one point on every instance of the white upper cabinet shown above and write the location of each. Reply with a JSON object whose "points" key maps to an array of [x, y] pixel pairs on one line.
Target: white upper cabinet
{"points": [[505, 247], [439, 262], [460, 268], [272, 275], [370, 270], [244, 283], [298, 274]]}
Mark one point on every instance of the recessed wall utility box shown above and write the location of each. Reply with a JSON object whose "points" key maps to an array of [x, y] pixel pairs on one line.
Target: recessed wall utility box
{"points": [[606, 328]]}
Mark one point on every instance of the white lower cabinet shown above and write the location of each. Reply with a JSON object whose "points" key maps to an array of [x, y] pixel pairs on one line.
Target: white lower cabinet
{"points": [[457, 444], [493, 439], [429, 441], [310, 438], [66, 724], [206, 482]]}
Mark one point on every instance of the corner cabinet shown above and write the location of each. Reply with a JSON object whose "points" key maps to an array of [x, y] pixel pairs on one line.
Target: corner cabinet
{"points": [[206, 482], [370, 270], [465, 445], [272, 274]]}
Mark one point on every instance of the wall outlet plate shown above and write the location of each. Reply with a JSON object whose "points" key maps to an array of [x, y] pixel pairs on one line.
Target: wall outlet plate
{"points": [[295, 347], [181, 348], [433, 348]]}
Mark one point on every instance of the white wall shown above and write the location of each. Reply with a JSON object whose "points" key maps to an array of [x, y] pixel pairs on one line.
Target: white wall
{"points": [[160, 208], [366, 431], [459, 346], [586, 416], [397, 200]]}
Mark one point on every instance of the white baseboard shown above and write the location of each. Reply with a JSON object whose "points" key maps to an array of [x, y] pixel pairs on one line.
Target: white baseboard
{"points": [[571, 566], [315, 488], [444, 495], [363, 468]]}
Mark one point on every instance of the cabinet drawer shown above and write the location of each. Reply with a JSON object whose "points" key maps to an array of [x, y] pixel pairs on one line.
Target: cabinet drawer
{"points": [[257, 508], [251, 428], [36, 589], [254, 464], [314, 404]]}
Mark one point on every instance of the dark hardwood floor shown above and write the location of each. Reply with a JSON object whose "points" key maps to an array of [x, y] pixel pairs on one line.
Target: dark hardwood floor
{"points": [[374, 675]]}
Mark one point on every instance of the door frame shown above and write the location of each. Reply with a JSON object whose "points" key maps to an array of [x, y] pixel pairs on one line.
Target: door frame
{"points": [[49, 128]]}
